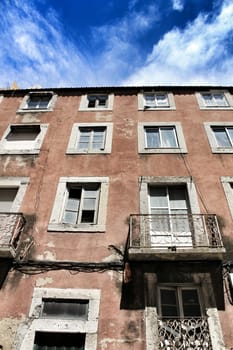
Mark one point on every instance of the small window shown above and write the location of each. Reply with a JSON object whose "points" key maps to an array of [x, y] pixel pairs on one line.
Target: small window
{"points": [[155, 100], [38, 102], [223, 136], [220, 136], [214, 99], [58, 341], [81, 204], [90, 138], [23, 132], [179, 302], [161, 137], [92, 102], [7, 197], [23, 139], [65, 308]]}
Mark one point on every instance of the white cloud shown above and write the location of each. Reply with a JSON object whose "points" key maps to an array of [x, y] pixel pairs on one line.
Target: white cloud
{"points": [[178, 5], [196, 55]]}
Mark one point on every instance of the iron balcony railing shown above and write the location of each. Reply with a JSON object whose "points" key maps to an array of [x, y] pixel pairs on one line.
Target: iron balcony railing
{"points": [[174, 230], [11, 227], [184, 333]]}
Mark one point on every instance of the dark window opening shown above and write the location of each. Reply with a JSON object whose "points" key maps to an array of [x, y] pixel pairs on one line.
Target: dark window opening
{"points": [[23, 132], [59, 341], [65, 308]]}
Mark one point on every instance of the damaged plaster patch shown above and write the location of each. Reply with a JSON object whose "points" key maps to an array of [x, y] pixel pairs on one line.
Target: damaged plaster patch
{"points": [[47, 256], [30, 118], [8, 329], [50, 245], [41, 282], [111, 343], [103, 117]]}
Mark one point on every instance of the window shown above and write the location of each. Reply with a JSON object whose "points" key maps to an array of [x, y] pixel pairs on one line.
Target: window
{"points": [[12, 190], [90, 138], [23, 139], [57, 341], [227, 182], [96, 102], [62, 319], [155, 100], [179, 302], [220, 136], [38, 102], [80, 205], [161, 138], [214, 99]]}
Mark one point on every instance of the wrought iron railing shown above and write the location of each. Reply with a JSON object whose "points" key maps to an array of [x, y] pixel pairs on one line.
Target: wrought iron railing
{"points": [[174, 230], [184, 333], [11, 226]]}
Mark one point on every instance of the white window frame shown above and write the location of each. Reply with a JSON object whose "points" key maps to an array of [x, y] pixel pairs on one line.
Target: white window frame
{"points": [[75, 134], [1, 98], [23, 108], [56, 224], [142, 103], [21, 184], [226, 94], [147, 181], [22, 147], [211, 137], [84, 103], [42, 324], [227, 181], [181, 145]]}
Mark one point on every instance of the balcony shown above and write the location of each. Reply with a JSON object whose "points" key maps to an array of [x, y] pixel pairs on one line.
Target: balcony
{"points": [[174, 237], [11, 227], [184, 333]]}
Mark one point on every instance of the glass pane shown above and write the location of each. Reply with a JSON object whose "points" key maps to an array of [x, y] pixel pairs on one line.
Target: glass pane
{"points": [[89, 203], [179, 221], [169, 305], [220, 99], [7, 196], [152, 138], [70, 217], [168, 137], [88, 216], [158, 197], [63, 308], [221, 137], [208, 99], [149, 99], [162, 100], [177, 197], [230, 133], [160, 221], [73, 199], [191, 305]]}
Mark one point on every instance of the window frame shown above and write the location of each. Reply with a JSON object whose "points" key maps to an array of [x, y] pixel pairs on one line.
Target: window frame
{"points": [[227, 181], [85, 101], [212, 139], [15, 182], [20, 146], [55, 222], [23, 108], [226, 94], [181, 145], [142, 106], [37, 323], [75, 135]]}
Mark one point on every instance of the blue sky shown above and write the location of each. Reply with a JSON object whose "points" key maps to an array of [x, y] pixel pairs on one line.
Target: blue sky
{"points": [[67, 43]]}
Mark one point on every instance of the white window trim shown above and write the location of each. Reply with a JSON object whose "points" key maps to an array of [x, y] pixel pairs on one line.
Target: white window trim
{"points": [[74, 138], [30, 147], [89, 326], [15, 182], [55, 223], [202, 104], [1, 98], [23, 106], [146, 181], [141, 101], [211, 138], [179, 134], [226, 183], [84, 103]]}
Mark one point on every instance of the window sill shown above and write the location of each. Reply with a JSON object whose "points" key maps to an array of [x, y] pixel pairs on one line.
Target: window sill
{"points": [[222, 150], [226, 108], [162, 150], [19, 151], [76, 228], [157, 109], [75, 151], [36, 110]]}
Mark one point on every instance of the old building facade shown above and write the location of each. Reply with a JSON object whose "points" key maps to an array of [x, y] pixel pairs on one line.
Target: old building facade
{"points": [[116, 209]]}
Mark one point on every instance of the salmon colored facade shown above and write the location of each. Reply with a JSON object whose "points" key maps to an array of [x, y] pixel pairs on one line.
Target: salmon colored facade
{"points": [[116, 218]]}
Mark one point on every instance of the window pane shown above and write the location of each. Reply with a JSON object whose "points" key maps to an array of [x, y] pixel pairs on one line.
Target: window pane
{"points": [[7, 197], [63, 308], [220, 99], [70, 217], [149, 99], [168, 137], [191, 305], [208, 99], [98, 139], [177, 197], [230, 133], [73, 199], [162, 100], [88, 216], [23, 133], [158, 197], [152, 138], [221, 137], [169, 304], [59, 341]]}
